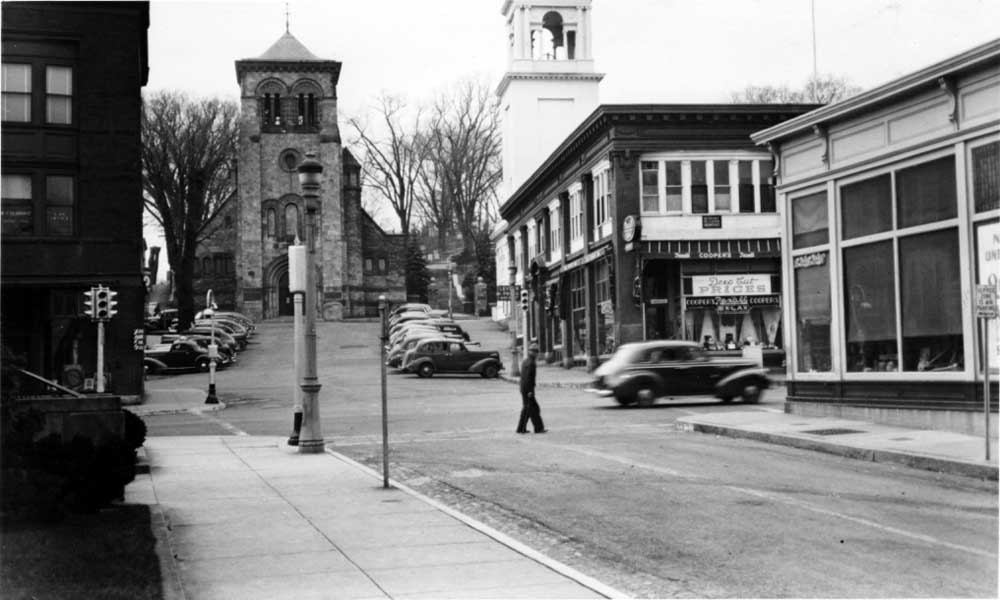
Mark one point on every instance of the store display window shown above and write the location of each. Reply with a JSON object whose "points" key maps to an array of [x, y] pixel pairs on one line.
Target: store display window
{"points": [[812, 310]]}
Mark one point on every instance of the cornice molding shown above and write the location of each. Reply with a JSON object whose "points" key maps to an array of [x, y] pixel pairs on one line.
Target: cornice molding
{"points": [[304, 66], [978, 57], [524, 76]]}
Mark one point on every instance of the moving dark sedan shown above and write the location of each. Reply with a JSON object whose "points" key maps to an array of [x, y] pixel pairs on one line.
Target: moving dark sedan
{"points": [[640, 373]]}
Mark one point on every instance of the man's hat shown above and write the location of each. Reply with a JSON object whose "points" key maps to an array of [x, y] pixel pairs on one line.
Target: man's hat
{"points": [[533, 348]]}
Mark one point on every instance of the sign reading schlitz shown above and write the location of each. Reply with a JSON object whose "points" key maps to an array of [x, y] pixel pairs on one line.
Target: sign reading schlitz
{"points": [[730, 285]]}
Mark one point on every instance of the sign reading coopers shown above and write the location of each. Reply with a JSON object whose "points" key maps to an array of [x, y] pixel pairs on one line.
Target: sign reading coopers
{"points": [[730, 285]]}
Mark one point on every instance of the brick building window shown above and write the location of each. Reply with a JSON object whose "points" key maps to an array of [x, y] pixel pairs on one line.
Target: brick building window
{"points": [[50, 212], [58, 95], [16, 93]]}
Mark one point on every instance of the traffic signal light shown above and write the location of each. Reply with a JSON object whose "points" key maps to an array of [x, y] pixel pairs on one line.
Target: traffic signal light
{"points": [[112, 303], [637, 290], [88, 303], [102, 303], [524, 299]]}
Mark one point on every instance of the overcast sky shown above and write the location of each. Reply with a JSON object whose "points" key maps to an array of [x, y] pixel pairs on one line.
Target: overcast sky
{"points": [[650, 50]]}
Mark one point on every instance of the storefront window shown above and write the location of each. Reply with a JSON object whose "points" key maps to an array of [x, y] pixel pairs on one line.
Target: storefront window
{"points": [[578, 311], [866, 206], [812, 309], [605, 308], [931, 302], [870, 308], [986, 176], [925, 193], [810, 222]]}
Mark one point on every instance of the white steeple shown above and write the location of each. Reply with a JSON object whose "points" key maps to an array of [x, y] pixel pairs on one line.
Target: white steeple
{"points": [[550, 85]]}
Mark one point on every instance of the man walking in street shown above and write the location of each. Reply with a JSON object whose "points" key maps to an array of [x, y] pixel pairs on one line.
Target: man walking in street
{"points": [[529, 406]]}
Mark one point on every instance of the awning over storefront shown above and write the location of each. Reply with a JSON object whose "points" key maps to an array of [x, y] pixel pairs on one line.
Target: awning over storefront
{"points": [[709, 249]]}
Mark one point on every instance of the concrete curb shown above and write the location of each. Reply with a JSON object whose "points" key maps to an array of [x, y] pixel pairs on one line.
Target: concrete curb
{"points": [[171, 584], [564, 570], [916, 461], [176, 410]]}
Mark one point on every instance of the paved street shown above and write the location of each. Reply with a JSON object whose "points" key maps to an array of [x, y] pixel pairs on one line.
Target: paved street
{"points": [[624, 495]]}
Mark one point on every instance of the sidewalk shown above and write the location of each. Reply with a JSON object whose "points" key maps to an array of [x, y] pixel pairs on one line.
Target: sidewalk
{"points": [[926, 449], [248, 517]]}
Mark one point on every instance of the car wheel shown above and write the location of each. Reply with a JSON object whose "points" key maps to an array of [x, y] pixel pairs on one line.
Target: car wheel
{"points": [[426, 370], [751, 393], [645, 395], [726, 399], [625, 400], [202, 365], [490, 371]]}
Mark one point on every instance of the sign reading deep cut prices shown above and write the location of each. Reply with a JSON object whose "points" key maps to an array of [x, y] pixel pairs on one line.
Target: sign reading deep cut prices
{"points": [[730, 285]]}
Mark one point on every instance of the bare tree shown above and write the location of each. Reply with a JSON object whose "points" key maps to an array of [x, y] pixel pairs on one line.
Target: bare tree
{"points": [[817, 90], [434, 204], [464, 151], [188, 168], [392, 159]]}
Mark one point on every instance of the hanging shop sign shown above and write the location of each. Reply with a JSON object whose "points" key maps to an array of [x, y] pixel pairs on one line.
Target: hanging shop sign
{"points": [[730, 285], [733, 304]]}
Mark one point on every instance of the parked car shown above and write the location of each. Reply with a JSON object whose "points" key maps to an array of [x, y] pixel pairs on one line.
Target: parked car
{"points": [[641, 372], [229, 345], [219, 334], [432, 325], [395, 355], [409, 307], [441, 355], [180, 355], [413, 315], [230, 315], [231, 327]]}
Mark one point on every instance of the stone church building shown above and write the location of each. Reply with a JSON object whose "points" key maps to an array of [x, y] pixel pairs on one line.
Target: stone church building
{"points": [[289, 108]]}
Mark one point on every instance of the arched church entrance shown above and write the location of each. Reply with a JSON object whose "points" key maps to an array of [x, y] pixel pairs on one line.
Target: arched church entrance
{"points": [[285, 300]]}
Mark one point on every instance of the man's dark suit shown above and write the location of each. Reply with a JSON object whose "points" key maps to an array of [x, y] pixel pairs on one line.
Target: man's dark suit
{"points": [[529, 406]]}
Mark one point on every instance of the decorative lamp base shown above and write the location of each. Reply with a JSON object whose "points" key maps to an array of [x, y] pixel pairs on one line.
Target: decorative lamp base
{"points": [[293, 440], [211, 398], [311, 446]]}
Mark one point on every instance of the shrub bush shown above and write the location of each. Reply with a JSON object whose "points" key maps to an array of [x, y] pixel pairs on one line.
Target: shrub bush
{"points": [[49, 476]]}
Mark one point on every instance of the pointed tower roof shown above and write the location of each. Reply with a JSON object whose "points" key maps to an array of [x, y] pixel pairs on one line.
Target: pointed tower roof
{"points": [[288, 48], [288, 54]]}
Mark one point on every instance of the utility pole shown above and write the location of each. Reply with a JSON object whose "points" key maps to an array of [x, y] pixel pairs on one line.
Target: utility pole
{"points": [[383, 312]]}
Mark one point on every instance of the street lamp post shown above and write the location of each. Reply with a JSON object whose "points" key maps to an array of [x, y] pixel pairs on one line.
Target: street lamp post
{"points": [[310, 172], [213, 349], [383, 305], [297, 287]]}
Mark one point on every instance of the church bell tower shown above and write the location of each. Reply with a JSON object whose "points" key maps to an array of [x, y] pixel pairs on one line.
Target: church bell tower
{"points": [[288, 107], [550, 85]]}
